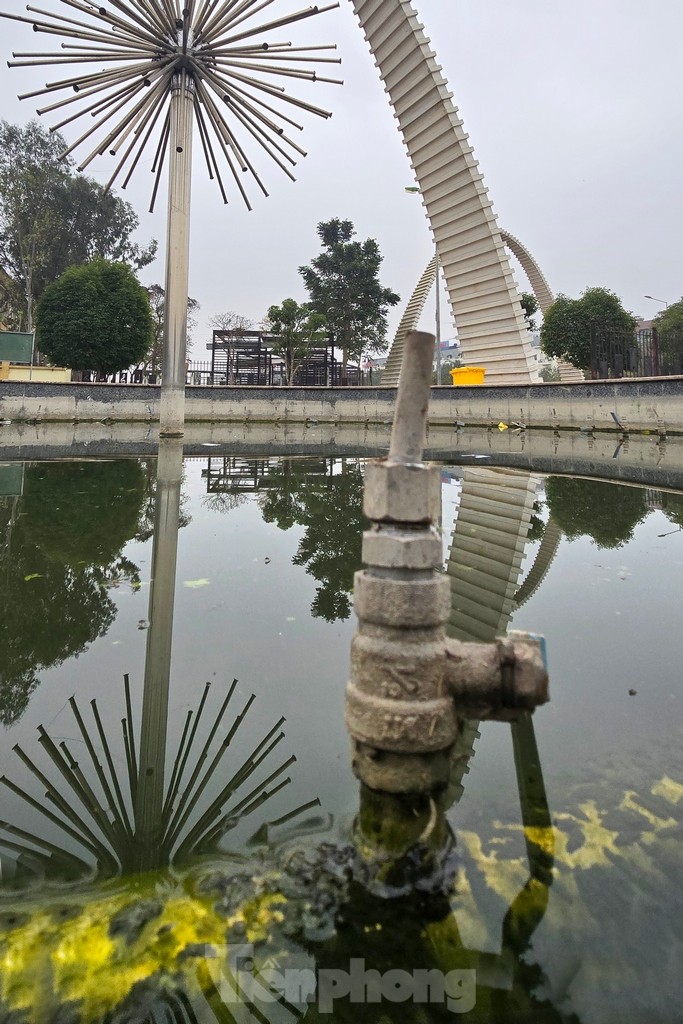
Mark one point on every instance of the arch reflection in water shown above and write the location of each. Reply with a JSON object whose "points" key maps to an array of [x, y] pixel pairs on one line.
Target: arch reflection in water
{"points": [[138, 820]]}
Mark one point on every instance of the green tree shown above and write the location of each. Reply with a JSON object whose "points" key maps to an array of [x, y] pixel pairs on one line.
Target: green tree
{"points": [[530, 307], [669, 324], [95, 317], [566, 330], [607, 513], [299, 330], [670, 319], [343, 285], [52, 218]]}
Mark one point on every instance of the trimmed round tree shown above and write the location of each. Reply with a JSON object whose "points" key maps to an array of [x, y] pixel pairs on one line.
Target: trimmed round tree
{"points": [[95, 317]]}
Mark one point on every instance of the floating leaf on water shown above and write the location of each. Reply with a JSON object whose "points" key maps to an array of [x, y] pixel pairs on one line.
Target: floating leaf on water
{"points": [[33, 576], [502, 426], [267, 560], [193, 584]]}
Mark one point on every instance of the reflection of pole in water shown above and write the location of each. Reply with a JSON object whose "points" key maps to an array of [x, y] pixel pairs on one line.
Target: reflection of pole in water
{"points": [[134, 821], [149, 791]]}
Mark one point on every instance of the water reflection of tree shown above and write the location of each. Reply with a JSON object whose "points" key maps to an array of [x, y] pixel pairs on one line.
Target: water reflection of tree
{"points": [[145, 527], [222, 501], [607, 513], [63, 556], [326, 498], [672, 507]]}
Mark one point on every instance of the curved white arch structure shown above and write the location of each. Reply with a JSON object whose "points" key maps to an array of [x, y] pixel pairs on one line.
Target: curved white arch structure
{"points": [[413, 311], [481, 286], [544, 297], [547, 549], [539, 285], [409, 322]]}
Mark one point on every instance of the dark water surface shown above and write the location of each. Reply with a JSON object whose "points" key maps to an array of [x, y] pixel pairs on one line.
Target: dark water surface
{"points": [[567, 852]]}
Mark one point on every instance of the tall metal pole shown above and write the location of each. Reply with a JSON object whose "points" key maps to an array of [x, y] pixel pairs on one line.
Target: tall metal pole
{"points": [[172, 414]]}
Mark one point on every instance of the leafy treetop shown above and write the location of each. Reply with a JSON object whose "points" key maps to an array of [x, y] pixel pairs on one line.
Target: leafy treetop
{"points": [[298, 331], [52, 218], [529, 307], [670, 320], [95, 317], [566, 330], [343, 285]]}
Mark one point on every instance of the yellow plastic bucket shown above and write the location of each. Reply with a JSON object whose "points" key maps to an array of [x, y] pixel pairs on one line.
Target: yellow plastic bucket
{"points": [[467, 375]]}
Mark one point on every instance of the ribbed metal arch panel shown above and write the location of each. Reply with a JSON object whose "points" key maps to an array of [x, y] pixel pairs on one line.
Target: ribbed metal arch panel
{"points": [[484, 299]]}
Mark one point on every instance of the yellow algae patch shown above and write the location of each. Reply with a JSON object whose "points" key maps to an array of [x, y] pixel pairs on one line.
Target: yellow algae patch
{"points": [[23, 958], [77, 959], [669, 790], [598, 840], [259, 916], [629, 803], [505, 876]]}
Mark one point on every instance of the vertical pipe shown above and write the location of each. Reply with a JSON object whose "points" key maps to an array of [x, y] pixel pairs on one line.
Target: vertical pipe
{"points": [[409, 432], [172, 414]]}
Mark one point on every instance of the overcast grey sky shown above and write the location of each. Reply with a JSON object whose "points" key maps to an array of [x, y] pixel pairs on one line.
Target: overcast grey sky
{"points": [[574, 111]]}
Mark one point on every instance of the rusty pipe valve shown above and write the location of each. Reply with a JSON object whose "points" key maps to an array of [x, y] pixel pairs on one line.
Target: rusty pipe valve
{"points": [[410, 683]]}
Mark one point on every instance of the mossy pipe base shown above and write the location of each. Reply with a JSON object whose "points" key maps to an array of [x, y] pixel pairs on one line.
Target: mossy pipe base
{"points": [[410, 684]]}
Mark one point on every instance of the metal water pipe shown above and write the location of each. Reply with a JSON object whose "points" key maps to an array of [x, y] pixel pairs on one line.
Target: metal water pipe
{"points": [[410, 683]]}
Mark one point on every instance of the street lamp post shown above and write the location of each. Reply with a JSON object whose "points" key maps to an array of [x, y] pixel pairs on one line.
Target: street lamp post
{"points": [[663, 301]]}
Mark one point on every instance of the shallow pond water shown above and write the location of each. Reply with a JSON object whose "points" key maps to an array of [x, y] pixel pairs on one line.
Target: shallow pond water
{"points": [[555, 866]]}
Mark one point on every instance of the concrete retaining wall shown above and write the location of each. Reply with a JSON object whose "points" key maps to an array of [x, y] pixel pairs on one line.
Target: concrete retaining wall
{"points": [[639, 458], [654, 404]]}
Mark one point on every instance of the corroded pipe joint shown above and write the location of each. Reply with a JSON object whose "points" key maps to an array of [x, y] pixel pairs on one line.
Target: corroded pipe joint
{"points": [[414, 602], [497, 680]]}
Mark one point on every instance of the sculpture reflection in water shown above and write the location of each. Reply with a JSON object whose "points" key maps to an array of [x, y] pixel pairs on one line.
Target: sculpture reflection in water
{"points": [[387, 900], [136, 821]]}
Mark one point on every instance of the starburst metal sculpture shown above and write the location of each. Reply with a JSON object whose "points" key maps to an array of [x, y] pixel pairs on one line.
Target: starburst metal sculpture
{"points": [[169, 62], [205, 51]]}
